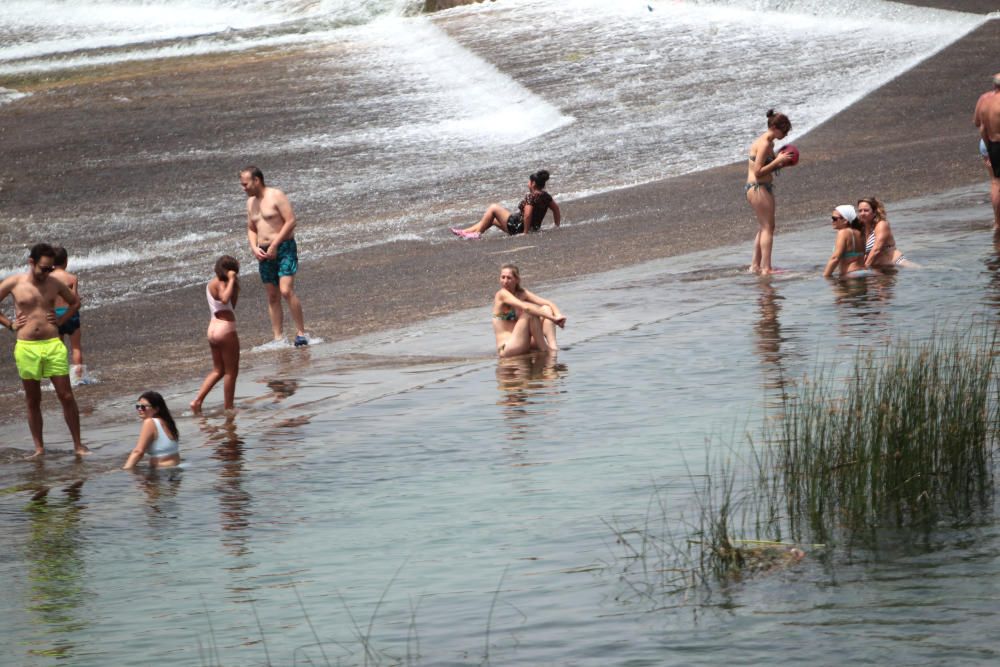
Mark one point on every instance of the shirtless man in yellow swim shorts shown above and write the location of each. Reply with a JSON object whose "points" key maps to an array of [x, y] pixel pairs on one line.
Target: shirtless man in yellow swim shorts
{"points": [[39, 352]]}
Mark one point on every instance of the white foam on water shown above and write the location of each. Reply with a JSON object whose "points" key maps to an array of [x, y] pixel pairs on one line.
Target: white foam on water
{"points": [[604, 95], [271, 346], [7, 95], [123, 256], [79, 26], [36, 30], [191, 47], [480, 103], [684, 87], [462, 97], [119, 256], [285, 344]]}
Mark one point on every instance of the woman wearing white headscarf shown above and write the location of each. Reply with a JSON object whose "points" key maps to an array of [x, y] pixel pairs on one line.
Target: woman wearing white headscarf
{"points": [[848, 258]]}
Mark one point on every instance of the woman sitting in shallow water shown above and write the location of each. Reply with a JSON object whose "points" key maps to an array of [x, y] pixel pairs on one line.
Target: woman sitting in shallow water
{"points": [[848, 258], [523, 321], [532, 209], [158, 435], [880, 244]]}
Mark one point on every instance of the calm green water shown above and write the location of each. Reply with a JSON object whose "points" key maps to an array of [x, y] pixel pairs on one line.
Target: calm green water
{"points": [[452, 510]]}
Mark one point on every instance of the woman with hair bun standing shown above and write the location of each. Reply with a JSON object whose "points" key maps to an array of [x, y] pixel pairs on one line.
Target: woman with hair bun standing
{"points": [[528, 216], [760, 186]]}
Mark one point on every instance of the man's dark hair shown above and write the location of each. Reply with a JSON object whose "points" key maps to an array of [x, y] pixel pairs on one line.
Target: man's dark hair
{"points": [[254, 172], [40, 250], [61, 258]]}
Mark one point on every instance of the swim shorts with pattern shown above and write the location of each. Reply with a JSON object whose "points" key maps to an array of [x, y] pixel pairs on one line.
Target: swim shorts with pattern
{"points": [[37, 359], [285, 264]]}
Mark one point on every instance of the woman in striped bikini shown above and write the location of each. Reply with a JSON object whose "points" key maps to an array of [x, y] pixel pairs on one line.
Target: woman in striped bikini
{"points": [[880, 244]]}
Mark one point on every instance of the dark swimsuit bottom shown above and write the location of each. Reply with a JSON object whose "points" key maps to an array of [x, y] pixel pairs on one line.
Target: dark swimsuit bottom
{"points": [[993, 150], [515, 223]]}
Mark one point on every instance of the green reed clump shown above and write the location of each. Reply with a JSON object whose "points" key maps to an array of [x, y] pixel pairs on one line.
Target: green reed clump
{"points": [[736, 532], [904, 442], [908, 442]]}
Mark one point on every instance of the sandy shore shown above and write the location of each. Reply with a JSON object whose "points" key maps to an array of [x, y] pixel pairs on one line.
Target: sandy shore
{"points": [[911, 137]]}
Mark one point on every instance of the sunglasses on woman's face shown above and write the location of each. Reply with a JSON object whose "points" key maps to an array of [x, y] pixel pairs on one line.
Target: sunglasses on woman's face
{"points": [[142, 406], [835, 218]]}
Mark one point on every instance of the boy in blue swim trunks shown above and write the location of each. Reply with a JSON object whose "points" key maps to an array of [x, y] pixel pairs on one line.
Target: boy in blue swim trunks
{"points": [[39, 353], [71, 327], [270, 230]]}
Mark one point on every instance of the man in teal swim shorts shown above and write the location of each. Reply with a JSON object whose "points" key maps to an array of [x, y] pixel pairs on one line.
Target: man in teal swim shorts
{"points": [[39, 352], [270, 230]]}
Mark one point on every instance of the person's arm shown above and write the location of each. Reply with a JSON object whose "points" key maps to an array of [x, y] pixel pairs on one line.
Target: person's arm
{"points": [[838, 252], [556, 213], [235, 279], [760, 169], [287, 224], [229, 289], [532, 303], [978, 116], [5, 287], [146, 436], [252, 234], [528, 227], [880, 237], [531, 297]]}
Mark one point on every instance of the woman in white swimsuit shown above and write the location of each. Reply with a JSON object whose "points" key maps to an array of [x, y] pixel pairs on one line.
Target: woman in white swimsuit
{"points": [[158, 436], [222, 292]]}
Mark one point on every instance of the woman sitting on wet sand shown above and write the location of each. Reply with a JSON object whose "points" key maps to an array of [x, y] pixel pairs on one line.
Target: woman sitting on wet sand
{"points": [[523, 321], [880, 244], [848, 258], [532, 209]]}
